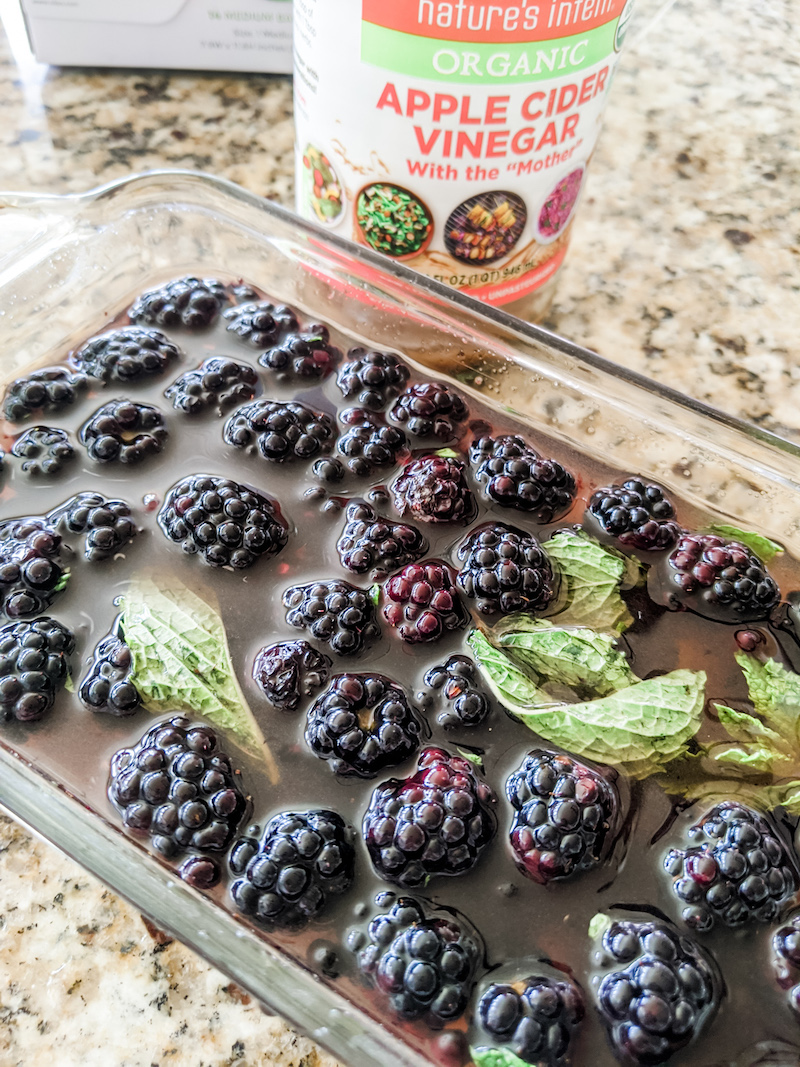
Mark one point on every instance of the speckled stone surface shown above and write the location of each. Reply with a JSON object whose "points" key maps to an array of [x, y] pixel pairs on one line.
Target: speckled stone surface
{"points": [[685, 265]]}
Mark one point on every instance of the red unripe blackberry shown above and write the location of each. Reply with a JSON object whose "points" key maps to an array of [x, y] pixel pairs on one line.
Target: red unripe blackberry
{"points": [[737, 869], [637, 514], [564, 812], [438, 821], [514, 475], [720, 578], [434, 489], [176, 787], [421, 602], [190, 302]]}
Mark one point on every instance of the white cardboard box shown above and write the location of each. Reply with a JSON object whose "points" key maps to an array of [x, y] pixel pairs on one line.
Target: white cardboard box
{"points": [[242, 35]]}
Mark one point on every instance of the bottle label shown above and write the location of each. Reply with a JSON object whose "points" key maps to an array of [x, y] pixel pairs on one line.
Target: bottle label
{"points": [[453, 136]]}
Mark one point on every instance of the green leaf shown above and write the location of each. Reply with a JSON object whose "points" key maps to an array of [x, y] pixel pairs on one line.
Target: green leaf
{"points": [[496, 1057], [374, 593], [743, 727], [774, 692], [509, 684], [753, 757], [598, 924], [787, 794], [473, 757], [577, 657], [591, 576], [62, 582], [181, 661], [762, 546], [447, 453], [640, 728]]}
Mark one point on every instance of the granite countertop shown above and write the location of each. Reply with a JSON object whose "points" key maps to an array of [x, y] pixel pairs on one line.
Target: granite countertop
{"points": [[684, 265]]}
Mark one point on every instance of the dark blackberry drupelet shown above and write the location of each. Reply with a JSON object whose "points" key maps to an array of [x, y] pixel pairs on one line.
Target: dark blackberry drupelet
{"points": [[514, 475], [288, 671], [422, 603], [108, 524], [658, 990], [370, 543], [335, 612], [32, 566], [438, 821], [218, 383], [368, 443], [261, 324], [191, 302], [43, 450], [304, 355], [720, 578], [564, 812], [126, 355], [434, 489], [786, 960], [329, 470], [285, 876], [372, 378], [176, 787], [465, 703], [430, 409], [534, 1018], [34, 666], [282, 430], [637, 514], [421, 957], [226, 523], [47, 390], [107, 686], [361, 724], [737, 870], [505, 570], [124, 431]]}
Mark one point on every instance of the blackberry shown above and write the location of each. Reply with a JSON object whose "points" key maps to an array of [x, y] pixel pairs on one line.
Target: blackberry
{"points": [[215, 383], [261, 324], [369, 443], [334, 612], [282, 430], [125, 355], [563, 814], [465, 703], [637, 514], [32, 567], [285, 876], [737, 870], [516, 476], [438, 821], [786, 960], [107, 686], [373, 378], [720, 578], [108, 524], [46, 390], [534, 1018], [423, 958], [124, 431], [190, 302], [178, 788], [422, 603], [288, 671], [434, 489], [431, 409], [658, 991], [34, 665], [371, 543], [303, 354], [505, 570], [361, 724], [43, 450], [228, 524]]}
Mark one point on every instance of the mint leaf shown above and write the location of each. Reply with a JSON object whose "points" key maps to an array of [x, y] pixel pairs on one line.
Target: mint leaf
{"points": [[787, 794], [762, 546], [181, 661], [496, 1057], [591, 576], [751, 757], [509, 684], [577, 657], [639, 728], [374, 593], [774, 692], [473, 757], [62, 582], [447, 453], [743, 727], [598, 924]]}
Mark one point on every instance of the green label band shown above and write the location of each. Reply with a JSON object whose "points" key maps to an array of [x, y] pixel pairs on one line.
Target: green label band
{"points": [[484, 64]]}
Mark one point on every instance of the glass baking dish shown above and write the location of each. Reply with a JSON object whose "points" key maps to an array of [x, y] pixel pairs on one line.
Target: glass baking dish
{"points": [[62, 271]]}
